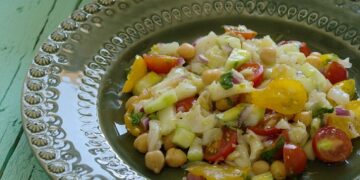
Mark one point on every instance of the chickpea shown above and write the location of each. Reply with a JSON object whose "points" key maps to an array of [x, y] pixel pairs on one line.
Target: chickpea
{"points": [[268, 55], [277, 169], [155, 161], [175, 157], [187, 51], [141, 143], [210, 75], [304, 117], [167, 142], [260, 167]]}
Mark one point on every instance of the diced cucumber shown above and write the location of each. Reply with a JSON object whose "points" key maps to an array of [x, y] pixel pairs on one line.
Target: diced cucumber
{"points": [[237, 58], [309, 150], [195, 121], [164, 100], [195, 152], [256, 114], [147, 81], [185, 89], [217, 92], [318, 78], [315, 125], [167, 119], [183, 137], [263, 176], [230, 116]]}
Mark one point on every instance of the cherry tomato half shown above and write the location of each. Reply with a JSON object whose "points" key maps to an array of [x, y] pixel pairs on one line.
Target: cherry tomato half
{"points": [[331, 144], [265, 131], [335, 72], [219, 150], [258, 72], [294, 159], [185, 104], [240, 31], [304, 48], [161, 64]]}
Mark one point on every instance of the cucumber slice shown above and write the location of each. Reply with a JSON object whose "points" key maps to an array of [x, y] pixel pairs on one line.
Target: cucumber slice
{"points": [[315, 125], [183, 137], [185, 89], [318, 78], [237, 58], [164, 100], [231, 116], [256, 114], [195, 152], [167, 119], [217, 92], [147, 81]]}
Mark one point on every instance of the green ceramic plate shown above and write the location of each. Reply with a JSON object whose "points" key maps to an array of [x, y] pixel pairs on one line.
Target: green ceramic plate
{"points": [[71, 109]]}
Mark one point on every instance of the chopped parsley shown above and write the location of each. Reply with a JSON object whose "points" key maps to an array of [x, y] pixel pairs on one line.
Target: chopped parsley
{"points": [[226, 80], [269, 154], [319, 113], [136, 118], [153, 116]]}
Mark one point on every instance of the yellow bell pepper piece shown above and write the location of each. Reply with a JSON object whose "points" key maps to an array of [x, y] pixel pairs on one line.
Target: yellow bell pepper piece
{"points": [[217, 172], [286, 96], [344, 123], [348, 86], [326, 58], [137, 71], [355, 107]]}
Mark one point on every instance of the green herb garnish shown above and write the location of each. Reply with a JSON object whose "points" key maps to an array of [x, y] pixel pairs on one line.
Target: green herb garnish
{"points": [[268, 155], [136, 118], [226, 80], [319, 113]]}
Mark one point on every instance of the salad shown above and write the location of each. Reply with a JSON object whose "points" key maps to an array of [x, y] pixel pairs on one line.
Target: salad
{"points": [[233, 106]]}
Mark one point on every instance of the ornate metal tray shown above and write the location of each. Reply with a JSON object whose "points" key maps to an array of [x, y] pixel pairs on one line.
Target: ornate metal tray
{"points": [[70, 106]]}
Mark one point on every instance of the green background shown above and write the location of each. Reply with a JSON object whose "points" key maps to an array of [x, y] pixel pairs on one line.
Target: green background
{"points": [[25, 24]]}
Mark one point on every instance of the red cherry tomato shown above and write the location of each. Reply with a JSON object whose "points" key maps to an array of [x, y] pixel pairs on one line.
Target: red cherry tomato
{"points": [[335, 72], [303, 47], [238, 31], [294, 159], [219, 150], [185, 104], [265, 131], [331, 144], [161, 64], [258, 72]]}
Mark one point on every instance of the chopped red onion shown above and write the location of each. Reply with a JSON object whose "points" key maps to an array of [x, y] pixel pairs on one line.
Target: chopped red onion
{"points": [[139, 107], [237, 78], [145, 122], [226, 48], [181, 61], [342, 112], [203, 59]]}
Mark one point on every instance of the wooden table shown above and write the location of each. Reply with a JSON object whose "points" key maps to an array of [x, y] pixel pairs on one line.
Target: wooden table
{"points": [[24, 26]]}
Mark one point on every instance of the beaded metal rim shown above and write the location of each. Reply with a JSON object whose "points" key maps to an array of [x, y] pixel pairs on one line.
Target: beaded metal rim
{"points": [[40, 94]]}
